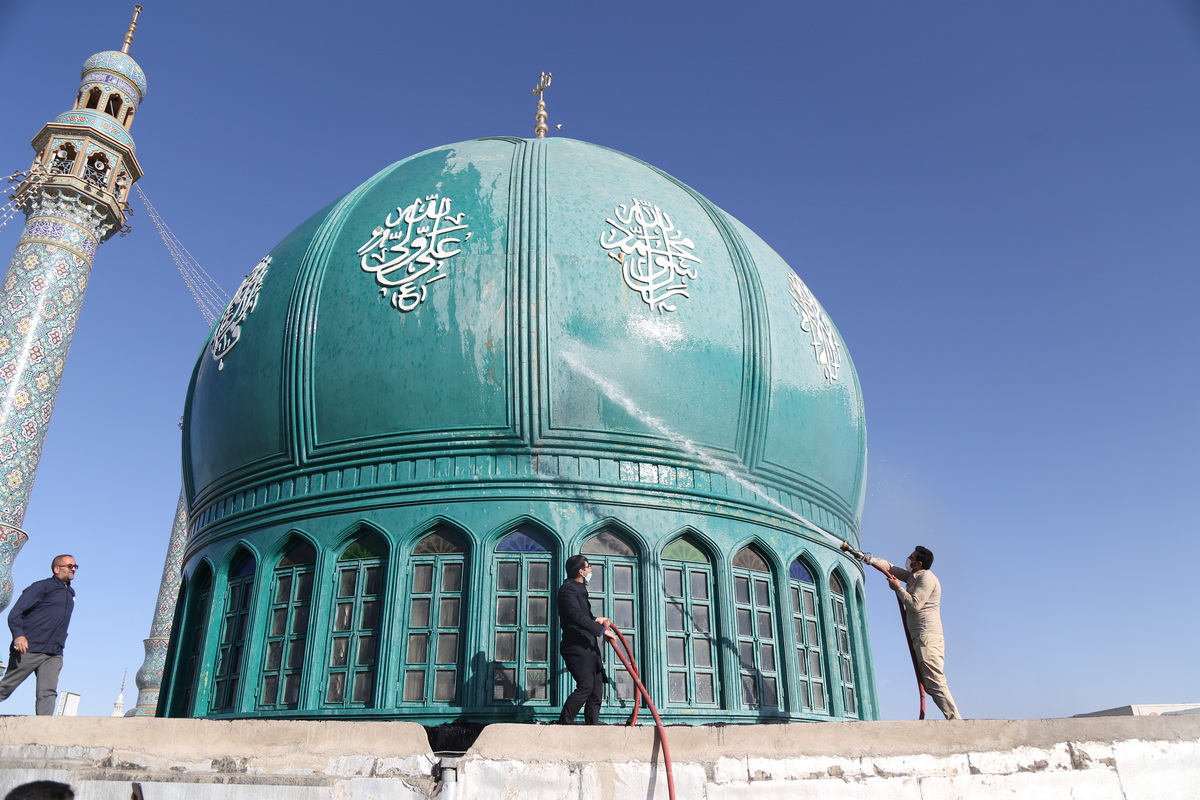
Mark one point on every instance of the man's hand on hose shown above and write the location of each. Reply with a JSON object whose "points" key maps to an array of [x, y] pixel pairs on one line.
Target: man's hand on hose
{"points": [[609, 633], [893, 581]]}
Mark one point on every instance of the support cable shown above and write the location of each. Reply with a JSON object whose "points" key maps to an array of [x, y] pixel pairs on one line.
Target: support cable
{"points": [[208, 294]]}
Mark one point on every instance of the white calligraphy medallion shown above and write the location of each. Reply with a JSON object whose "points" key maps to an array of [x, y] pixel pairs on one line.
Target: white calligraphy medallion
{"points": [[410, 249], [229, 329], [826, 348], [655, 258]]}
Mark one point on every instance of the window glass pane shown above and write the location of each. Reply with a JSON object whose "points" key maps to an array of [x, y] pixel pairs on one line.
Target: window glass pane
{"points": [[675, 656], [674, 617], [300, 553], [607, 543], [523, 542], [623, 613], [623, 579], [504, 683], [506, 611], [799, 572], [439, 542], [366, 651], [536, 644], [414, 686], [810, 604], [270, 690], [300, 619], [243, 566], [296, 655], [370, 614], [741, 590], [746, 655], [835, 585], [274, 655], [443, 685], [452, 577], [798, 630], [508, 576], [699, 586], [419, 618], [374, 580], [535, 684], [539, 576], [766, 654], [705, 691], [343, 616], [674, 582], [749, 691], [700, 621], [291, 688], [423, 578], [448, 614], [278, 621], [337, 688], [506, 646], [304, 586], [814, 664], [283, 588], [364, 687], [538, 610], [363, 547], [770, 691], [447, 648], [341, 651], [677, 687], [418, 645], [596, 605], [703, 651], [746, 558], [765, 626], [744, 627], [818, 698], [347, 580], [683, 550], [624, 685], [762, 593], [810, 628], [597, 574]]}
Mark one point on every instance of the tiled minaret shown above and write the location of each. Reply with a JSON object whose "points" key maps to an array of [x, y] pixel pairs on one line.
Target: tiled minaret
{"points": [[74, 199]]}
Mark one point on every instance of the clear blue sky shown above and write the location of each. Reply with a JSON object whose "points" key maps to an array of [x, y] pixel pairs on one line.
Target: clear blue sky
{"points": [[997, 202]]}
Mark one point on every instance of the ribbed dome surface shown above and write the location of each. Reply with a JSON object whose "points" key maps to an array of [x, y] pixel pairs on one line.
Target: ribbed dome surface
{"points": [[505, 298]]}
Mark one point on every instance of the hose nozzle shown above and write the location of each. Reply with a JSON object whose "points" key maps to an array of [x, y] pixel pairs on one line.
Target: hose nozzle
{"points": [[859, 554]]}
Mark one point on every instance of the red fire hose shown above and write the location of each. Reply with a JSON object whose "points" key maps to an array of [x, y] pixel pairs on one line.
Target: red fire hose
{"points": [[631, 666]]}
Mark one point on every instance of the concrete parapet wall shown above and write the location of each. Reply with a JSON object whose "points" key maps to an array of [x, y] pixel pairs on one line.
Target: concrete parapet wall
{"points": [[1122, 758]]}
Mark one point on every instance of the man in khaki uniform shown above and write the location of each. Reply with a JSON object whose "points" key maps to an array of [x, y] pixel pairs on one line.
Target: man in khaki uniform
{"points": [[921, 596]]}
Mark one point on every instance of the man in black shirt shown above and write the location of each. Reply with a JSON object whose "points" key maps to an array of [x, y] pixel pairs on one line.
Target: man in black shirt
{"points": [[579, 647], [39, 623]]}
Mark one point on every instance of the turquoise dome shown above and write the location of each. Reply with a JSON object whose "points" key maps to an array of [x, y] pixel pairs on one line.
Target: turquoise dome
{"points": [[120, 64], [485, 297], [488, 357]]}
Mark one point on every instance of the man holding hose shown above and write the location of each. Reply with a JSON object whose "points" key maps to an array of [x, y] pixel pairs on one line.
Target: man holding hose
{"points": [[921, 596]]}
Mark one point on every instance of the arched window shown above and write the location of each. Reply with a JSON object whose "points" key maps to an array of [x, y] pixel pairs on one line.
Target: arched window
{"points": [[691, 663], [521, 647], [754, 604], [434, 648], [64, 159], [128, 118], [235, 624], [841, 626], [93, 98], [357, 611], [197, 594], [613, 594], [287, 636], [95, 170], [113, 106], [806, 622]]}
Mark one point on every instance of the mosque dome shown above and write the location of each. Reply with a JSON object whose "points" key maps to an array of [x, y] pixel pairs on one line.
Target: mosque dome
{"points": [[504, 351], [119, 64]]}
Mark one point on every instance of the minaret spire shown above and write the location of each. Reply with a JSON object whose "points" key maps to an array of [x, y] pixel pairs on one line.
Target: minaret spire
{"points": [[137, 9], [74, 198]]}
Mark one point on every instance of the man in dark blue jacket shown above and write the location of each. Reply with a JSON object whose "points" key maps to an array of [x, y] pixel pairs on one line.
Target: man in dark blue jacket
{"points": [[39, 623], [579, 647]]}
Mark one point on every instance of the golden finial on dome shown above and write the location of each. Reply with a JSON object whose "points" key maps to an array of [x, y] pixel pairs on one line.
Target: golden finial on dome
{"points": [[541, 128], [137, 9]]}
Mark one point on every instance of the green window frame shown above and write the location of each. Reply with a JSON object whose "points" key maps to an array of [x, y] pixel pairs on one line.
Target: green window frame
{"points": [[355, 626], [845, 649], [287, 632], [522, 646], [198, 592], [806, 627], [613, 593], [754, 611], [235, 627], [692, 676], [436, 635]]}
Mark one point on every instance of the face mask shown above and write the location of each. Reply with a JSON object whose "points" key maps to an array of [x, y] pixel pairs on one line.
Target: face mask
{"points": [[908, 564], [587, 577]]}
